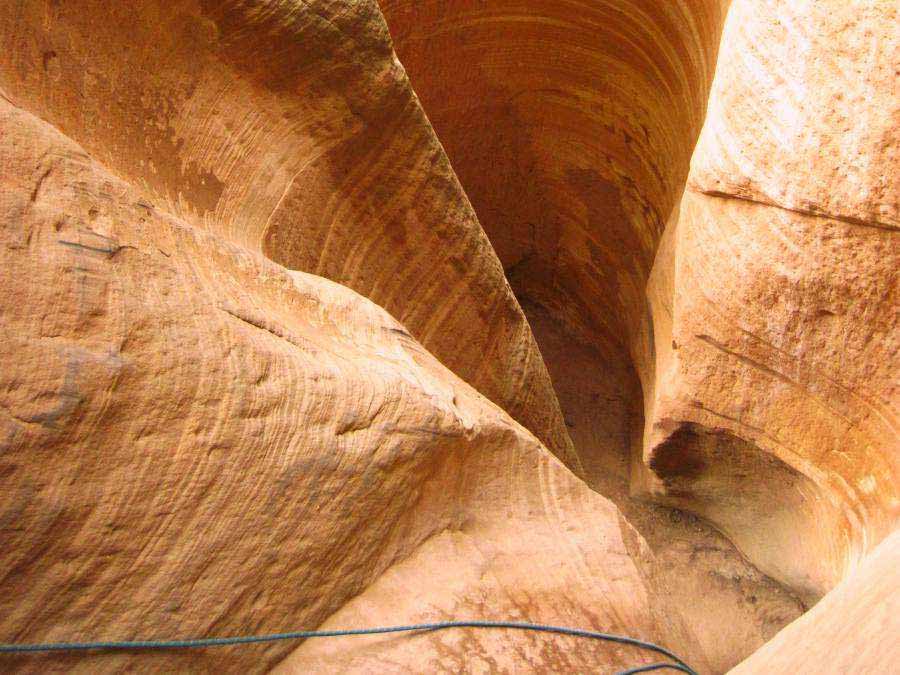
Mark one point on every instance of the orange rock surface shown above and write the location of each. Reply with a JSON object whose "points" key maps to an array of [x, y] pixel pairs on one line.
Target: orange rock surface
{"points": [[289, 129], [850, 631], [348, 313], [231, 447], [773, 411]]}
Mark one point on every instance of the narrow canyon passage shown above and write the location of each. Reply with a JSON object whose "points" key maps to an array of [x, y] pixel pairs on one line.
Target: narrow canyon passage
{"points": [[730, 606], [571, 126], [756, 306]]}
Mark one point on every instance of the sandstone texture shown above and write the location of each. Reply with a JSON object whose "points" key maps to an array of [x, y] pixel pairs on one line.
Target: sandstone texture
{"points": [[773, 408], [850, 631], [571, 126], [288, 128], [231, 447], [763, 332], [353, 313]]}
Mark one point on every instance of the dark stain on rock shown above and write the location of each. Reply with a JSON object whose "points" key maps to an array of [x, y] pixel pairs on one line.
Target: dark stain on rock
{"points": [[677, 456]]}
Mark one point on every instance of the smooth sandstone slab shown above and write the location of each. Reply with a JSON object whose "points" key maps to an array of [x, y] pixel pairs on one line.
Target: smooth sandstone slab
{"points": [[809, 90], [852, 630]]}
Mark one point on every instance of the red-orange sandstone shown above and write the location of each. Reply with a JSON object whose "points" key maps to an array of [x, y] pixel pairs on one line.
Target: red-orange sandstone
{"points": [[344, 313]]}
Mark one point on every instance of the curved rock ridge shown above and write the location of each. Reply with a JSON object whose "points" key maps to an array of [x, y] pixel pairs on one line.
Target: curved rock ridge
{"points": [[849, 631], [197, 441], [289, 128], [773, 406]]}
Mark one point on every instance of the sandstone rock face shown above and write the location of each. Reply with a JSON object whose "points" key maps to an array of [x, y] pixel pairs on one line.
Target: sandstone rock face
{"points": [[765, 337], [773, 404], [571, 126], [290, 129], [263, 368]]}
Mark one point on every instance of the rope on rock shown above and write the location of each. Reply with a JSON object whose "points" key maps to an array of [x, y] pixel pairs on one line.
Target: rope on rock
{"points": [[677, 663]]}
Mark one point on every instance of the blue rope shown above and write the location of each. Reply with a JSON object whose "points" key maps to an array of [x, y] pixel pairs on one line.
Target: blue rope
{"points": [[653, 666], [303, 634]]}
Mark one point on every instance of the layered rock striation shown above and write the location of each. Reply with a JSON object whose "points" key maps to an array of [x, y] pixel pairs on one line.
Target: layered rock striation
{"points": [[773, 409], [754, 299], [198, 441], [290, 129]]}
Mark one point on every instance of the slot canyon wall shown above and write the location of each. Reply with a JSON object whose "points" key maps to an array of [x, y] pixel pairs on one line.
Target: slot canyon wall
{"points": [[773, 411], [765, 337], [347, 313]]}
